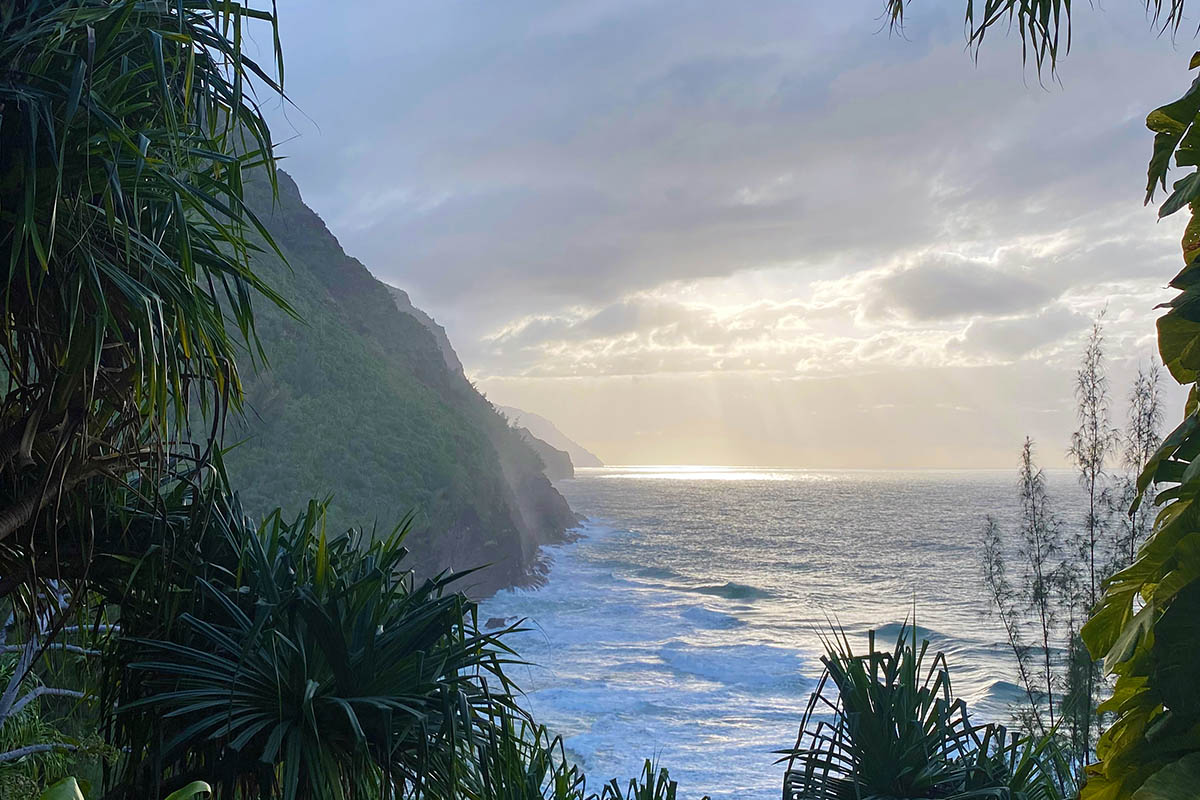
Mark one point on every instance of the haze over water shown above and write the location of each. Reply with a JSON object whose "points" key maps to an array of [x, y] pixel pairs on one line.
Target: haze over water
{"points": [[685, 623]]}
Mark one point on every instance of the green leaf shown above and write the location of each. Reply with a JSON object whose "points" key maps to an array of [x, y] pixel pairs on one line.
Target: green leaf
{"points": [[193, 789], [1179, 346], [1178, 780], [1169, 123], [66, 789]]}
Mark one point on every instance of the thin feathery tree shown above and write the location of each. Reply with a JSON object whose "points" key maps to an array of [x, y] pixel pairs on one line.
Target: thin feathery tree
{"points": [[1053, 596], [1031, 606], [1093, 445], [1142, 437], [1040, 549], [1008, 608]]}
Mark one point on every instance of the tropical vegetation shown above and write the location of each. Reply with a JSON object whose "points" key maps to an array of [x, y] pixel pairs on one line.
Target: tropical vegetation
{"points": [[885, 724], [1043, 586], [158, 642], [166, 635], [1144, 625]]}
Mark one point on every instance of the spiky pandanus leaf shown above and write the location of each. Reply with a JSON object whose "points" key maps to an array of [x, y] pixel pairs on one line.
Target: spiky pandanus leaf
{"points": [[885, 724], [304, 664], [517, 759]]}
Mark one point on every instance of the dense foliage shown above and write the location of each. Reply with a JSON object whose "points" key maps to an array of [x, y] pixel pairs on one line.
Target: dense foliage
{"points": [[893, 729], [124, 240], [298, 663], [125, 129], [1146, 626]]}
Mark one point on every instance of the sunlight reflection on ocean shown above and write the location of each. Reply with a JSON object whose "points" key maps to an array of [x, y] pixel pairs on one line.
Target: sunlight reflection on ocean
{"points": [[701, 473], [685, 624]]}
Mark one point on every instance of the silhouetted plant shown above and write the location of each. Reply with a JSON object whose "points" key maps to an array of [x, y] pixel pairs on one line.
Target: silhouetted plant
{"points": [[654, 784], [1142, 437], [885, 724], [516, 759], [300, 665], [124, 250]]}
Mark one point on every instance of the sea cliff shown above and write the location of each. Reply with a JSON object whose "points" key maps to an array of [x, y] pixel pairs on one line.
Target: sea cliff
{"points": [[366, 401]]}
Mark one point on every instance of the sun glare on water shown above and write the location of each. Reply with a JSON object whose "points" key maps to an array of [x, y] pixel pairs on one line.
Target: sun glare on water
{"points": [[685, 472]]}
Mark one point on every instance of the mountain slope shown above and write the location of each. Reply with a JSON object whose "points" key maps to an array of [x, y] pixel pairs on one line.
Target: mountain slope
{"points": [[436, 331], [549, 433], [557, 463], [359, 402]]}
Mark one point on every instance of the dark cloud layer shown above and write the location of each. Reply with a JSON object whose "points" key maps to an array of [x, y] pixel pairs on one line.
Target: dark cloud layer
{"points": [[577, 151]]}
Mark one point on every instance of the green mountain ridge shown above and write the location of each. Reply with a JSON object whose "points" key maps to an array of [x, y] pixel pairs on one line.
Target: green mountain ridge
{"points": [[556, 461], [361, 402]]}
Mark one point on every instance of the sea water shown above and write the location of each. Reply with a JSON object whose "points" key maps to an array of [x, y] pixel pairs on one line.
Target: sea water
{"points": [[685, 624]]}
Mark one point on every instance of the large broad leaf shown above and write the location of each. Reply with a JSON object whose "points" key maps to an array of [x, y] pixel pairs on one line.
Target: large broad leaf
{"points": [[1179, 780], [1170, 123], [193, 789], [1179, 346], [66, 789], [1177, 653]]}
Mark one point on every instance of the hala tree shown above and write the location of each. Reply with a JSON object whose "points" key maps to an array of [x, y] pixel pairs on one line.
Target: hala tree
{"points": [[125, 127], [282, 660], [885, 724], [125, 279]]}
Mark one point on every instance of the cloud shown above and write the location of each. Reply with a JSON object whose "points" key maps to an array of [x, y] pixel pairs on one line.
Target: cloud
{"points": [[544, 158], [611, 189], [950, 287], [1009, 339]]}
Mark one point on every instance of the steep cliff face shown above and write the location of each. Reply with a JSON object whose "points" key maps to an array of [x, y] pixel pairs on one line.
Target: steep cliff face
{"points": [[360, 401], [436, 331], [549, 433], [557, 463]]}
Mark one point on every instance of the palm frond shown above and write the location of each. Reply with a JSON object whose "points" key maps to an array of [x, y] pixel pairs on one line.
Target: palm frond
{"points": [[124, 244], [1044, 26]]}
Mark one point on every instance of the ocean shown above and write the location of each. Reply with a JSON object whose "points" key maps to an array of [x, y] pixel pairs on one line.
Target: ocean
{"points": [[684, 625]]}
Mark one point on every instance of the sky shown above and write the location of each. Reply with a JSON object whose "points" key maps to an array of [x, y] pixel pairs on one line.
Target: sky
{"points": [[768, 233]]}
